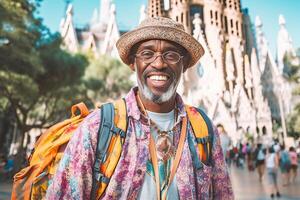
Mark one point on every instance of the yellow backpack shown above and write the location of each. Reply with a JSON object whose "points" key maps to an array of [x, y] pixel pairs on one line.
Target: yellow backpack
{"points": [[32, 182]]}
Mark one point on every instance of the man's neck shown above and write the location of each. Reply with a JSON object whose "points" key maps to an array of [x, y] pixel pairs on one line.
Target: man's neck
{"points": [[158, 107]]}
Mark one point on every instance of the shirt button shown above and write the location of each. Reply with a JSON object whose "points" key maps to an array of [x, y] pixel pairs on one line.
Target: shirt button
{"points": [[139, 171]]}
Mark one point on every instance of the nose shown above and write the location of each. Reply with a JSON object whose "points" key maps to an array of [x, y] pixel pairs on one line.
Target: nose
{"points": [[159, 63]]}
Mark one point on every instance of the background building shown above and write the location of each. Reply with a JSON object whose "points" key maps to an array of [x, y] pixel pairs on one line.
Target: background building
{"points": [[238, 81]]}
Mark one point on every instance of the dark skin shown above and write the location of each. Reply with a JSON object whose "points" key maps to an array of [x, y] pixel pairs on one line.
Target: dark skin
{"points": [[159, 68]]}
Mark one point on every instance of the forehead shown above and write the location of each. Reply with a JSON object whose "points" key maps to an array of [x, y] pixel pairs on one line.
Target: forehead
{"points": [[159, 43]]}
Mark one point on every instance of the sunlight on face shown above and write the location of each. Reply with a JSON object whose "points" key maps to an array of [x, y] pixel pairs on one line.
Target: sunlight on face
{"points": [[148, 94]]}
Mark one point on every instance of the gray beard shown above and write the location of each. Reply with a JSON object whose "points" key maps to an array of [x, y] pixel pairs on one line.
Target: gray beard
{"points": [[148, 94]]}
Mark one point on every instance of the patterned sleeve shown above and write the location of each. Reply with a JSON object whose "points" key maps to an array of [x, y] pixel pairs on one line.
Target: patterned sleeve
{"points": [[73, 179], [221, 184]]}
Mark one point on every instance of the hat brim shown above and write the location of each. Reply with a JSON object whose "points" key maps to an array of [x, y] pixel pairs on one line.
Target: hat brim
{"points": [[129, 39]]}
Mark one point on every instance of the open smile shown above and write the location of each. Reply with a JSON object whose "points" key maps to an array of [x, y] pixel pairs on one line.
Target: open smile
{"points": [[158, 81]]}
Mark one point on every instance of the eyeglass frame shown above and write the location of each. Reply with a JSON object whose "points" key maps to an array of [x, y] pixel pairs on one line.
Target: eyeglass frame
{"points": [[157, 54]]}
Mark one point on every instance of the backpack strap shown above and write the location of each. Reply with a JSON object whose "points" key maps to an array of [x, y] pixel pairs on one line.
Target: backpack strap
{"points": [[112, 131], [203, 130], [210, 132]]}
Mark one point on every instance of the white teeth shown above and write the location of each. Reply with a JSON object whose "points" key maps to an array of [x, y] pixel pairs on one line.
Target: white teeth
{"points": [[158, 78]]}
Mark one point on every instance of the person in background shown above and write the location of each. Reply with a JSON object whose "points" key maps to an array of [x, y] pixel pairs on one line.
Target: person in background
{"points": [[284, 164], [260, 160], [294, 164], [250, 159], [272, 163], [225, 141], [276, 145]]}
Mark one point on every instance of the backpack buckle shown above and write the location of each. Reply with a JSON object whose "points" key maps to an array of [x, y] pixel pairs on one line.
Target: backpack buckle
{"points": [[117, 130], [100, 177]]}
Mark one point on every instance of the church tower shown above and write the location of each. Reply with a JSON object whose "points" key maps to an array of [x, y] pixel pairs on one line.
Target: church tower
{"points": [[156, 8], [222, 25], [233, 19], [180, 12]]}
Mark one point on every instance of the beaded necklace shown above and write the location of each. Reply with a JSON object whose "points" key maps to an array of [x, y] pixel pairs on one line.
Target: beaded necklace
{"points": [[164, 145], [162, 158]]}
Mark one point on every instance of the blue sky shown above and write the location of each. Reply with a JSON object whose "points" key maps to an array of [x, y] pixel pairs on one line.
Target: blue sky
{"points": [[128, 15]]}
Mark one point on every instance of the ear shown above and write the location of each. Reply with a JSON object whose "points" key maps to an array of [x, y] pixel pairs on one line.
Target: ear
{"points": [[186, 62], [132, 66], [185, 67]]}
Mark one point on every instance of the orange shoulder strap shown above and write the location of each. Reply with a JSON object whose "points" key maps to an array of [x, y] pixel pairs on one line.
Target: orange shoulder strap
{"points": [[120, 114], [200, 129], [114, 150]]}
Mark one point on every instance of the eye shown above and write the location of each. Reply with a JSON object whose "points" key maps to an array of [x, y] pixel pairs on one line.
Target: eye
{"points": [[147, 54], [171, 55]]}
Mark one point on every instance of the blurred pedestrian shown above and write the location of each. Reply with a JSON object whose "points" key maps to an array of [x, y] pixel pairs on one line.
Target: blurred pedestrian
{"points": [[231, 156], [241, 155], [272, 163], [284, 164], [250, 157], [294, 164], [225, 141], [260, 155]]}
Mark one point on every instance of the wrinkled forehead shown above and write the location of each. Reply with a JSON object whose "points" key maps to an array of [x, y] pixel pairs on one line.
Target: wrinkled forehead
{"points": [[151, 44]]}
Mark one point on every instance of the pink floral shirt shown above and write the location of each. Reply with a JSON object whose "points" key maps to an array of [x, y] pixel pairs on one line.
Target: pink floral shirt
{"points": [[73, 179]]}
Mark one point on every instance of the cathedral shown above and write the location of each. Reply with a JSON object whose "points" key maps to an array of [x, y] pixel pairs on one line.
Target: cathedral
{"points": [[238, 82]]}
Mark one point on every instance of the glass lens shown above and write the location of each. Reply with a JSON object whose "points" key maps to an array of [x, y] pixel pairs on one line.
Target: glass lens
{"points": [[147, 55], [171, 57]]}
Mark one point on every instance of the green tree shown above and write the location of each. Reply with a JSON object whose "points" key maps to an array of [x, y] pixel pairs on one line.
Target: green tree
{"points": [[293, 73], [38, 80], [107, 78]]}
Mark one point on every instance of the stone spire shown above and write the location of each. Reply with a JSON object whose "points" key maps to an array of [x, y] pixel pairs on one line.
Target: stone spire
{"points": [[229, 68], [70, 10], [143, 13], [248, 77], [262, 43], [112, 34], [68, 32], [284, 44], [105, 11], [256, 73], [95, 17]]}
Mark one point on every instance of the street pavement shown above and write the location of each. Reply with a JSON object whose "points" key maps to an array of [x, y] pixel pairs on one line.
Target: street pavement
{"points": [[245, 185]]}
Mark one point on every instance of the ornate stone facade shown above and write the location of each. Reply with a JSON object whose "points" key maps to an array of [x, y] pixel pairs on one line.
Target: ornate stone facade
{"points": [[99, 36], [237, 81]]}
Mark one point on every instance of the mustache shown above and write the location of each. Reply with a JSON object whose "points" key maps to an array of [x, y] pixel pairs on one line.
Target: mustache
{"points": [[166, 70]]}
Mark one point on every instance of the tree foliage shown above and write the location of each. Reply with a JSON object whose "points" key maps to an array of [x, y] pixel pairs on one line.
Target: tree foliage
{"points": [[38, 80], [294, 78], [107, 78]]}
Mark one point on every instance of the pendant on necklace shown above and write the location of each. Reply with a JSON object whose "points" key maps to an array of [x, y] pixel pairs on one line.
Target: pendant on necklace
{"points": [[165, 149]]}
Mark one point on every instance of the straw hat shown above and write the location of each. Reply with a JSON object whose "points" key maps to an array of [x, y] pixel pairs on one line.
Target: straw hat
{"points": [[159, 28]]}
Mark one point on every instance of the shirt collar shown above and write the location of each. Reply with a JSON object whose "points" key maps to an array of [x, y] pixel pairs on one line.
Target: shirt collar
{"points": [[133, 109]]}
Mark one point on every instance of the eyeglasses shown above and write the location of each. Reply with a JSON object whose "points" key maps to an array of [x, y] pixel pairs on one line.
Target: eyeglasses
{"points": [[169, 57]]}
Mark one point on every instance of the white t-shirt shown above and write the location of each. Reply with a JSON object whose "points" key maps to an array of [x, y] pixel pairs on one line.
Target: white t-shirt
{"points": [[164, 121], [270, 160]]}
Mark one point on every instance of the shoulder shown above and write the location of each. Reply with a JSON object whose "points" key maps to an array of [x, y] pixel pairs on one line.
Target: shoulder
{"points": [[92, 121], [192, 110]]}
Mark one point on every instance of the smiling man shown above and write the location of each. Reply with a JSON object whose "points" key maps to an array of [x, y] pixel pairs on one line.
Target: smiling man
{"points": [[160, 157]]}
